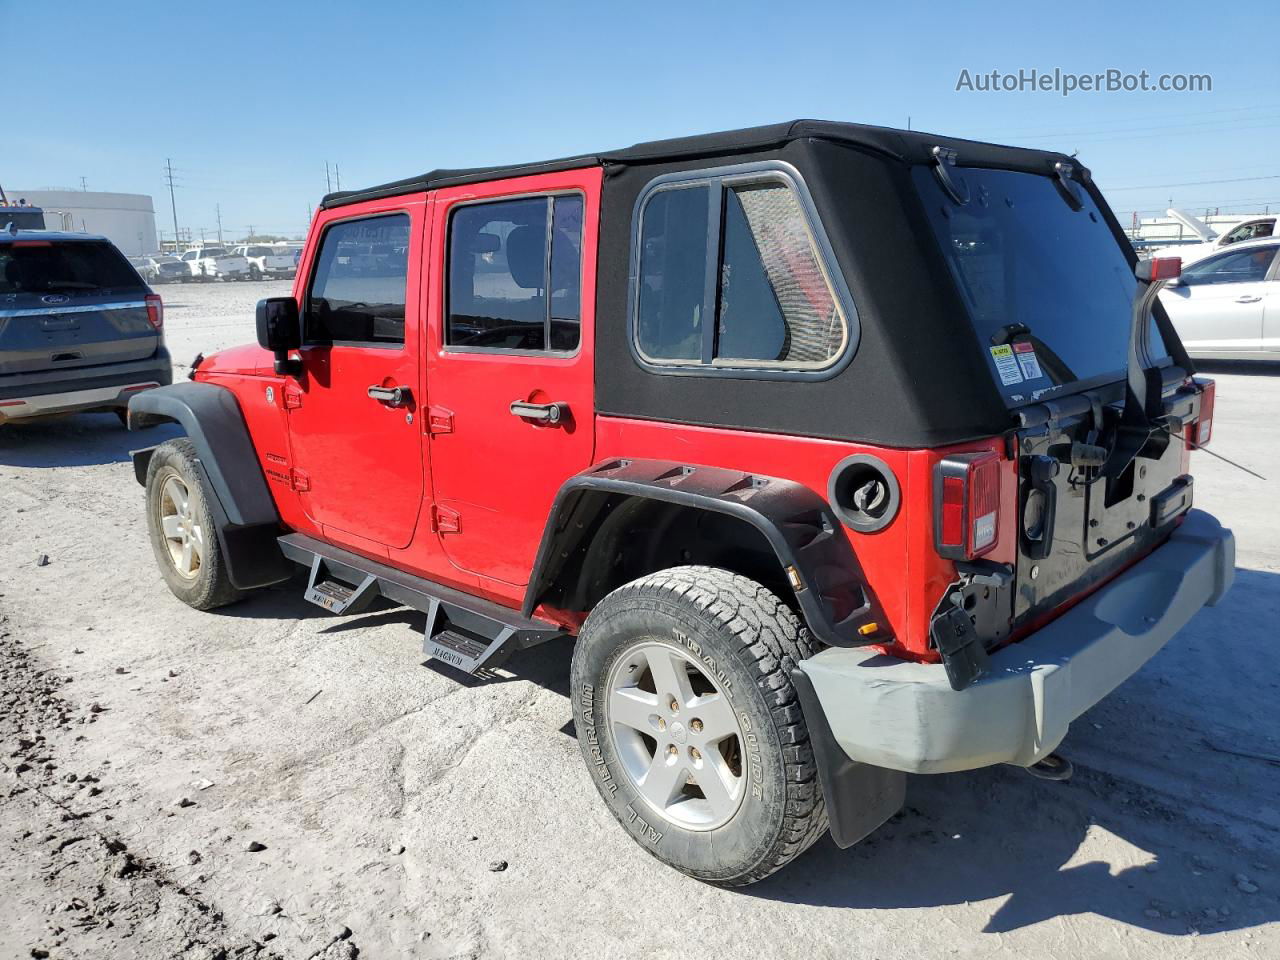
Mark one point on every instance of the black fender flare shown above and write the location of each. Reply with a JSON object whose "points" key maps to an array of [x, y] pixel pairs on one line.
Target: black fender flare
{"points": [[245, 513], [806, 536]]}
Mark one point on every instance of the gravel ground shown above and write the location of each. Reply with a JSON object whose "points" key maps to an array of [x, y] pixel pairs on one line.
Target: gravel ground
{"points": [[271, 781]]}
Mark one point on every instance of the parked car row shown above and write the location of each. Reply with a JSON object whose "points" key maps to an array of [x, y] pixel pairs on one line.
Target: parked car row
{"points": [[205, 263]]}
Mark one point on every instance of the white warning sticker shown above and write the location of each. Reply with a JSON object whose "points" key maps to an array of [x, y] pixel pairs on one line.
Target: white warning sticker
{"points": [[1027, 360], [1006, 365]]}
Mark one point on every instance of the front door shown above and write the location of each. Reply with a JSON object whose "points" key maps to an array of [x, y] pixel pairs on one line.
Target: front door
{"points": [[1217, 307], [512, 360], [353, 411]]}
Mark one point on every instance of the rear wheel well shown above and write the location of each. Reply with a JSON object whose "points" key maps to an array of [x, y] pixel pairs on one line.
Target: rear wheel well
{"points": [[620, 538]]}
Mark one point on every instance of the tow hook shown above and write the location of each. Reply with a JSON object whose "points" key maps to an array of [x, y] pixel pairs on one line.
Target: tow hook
{"points": [[1053, 767]]}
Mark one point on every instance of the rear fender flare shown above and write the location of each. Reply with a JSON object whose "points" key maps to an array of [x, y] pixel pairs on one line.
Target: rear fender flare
{"points": [[808, 540]]}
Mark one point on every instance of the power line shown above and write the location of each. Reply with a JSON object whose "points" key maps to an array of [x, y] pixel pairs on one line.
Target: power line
{"points": [[1193, 183]]}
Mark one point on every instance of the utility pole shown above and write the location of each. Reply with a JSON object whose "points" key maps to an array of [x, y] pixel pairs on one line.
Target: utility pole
{"points": [[217, 207], [252, 234], [83, 185], [173, 204]]}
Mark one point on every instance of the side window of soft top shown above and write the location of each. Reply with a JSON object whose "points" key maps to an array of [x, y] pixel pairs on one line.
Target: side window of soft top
{"points": [[731, 274], [357, 290]]}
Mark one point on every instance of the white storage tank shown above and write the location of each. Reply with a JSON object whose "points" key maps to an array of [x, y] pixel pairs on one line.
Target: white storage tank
{"points": [[128, 219]]}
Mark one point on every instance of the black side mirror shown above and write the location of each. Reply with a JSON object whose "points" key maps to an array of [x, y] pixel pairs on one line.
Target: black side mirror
{"points": [[280, 331]]}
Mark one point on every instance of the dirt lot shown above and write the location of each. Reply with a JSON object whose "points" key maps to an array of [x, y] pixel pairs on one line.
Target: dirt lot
{"points": [[271, 781]]}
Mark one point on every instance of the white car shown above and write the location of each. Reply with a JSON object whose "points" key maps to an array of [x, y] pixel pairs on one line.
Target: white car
{"points": [[1227, 306], [267, 261], [212, 263], [1210, 242]]}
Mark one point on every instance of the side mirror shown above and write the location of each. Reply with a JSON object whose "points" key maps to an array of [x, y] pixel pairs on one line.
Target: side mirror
{"points": [[280, 331]]}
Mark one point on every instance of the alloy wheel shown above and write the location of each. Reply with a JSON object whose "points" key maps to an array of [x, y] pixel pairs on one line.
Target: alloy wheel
{"points": [[677, 736]]}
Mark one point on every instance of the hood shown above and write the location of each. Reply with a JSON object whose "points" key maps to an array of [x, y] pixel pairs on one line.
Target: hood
{"points": [[249, 359], [1194, 224]]}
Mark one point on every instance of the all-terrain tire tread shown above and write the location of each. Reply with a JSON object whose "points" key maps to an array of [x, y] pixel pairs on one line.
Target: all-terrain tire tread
{"points": [[773, 640], [215, 589]]}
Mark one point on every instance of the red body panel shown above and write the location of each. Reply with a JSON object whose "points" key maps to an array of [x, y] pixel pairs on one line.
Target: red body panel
{"points": [[360, 461], [495, 475], [904, 570]]}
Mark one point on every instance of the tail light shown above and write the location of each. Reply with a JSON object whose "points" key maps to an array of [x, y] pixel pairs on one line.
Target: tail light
{"points": [[1203, 428], [966, 496], [155, 310]]}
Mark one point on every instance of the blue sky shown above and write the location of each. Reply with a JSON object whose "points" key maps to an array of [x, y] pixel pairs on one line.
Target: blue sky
{"points": [[251, 99]]}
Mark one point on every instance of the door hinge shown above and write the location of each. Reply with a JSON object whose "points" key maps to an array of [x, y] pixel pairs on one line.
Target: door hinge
{"points": [[292, 397], [299, 480], [439, 420], [444, 520]]}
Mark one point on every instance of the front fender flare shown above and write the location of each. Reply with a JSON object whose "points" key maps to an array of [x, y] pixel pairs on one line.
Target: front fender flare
{"points": [[244, 512], [211, 417], [805, 535]]}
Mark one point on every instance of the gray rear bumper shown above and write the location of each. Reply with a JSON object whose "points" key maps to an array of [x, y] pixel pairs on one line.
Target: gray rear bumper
{"points": [[80, 388], [905, 716]]}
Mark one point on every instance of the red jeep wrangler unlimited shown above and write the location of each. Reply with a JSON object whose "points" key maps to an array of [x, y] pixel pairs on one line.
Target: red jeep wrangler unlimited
{"points": [[845, 452]]}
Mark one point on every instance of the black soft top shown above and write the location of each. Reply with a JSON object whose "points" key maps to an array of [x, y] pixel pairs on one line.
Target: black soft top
{"points": [[907, 146]]}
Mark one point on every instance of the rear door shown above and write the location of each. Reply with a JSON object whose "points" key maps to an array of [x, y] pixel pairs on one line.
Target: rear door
{"points": [[70, 303], [512, 361], [356, 442], [1217, 307]]}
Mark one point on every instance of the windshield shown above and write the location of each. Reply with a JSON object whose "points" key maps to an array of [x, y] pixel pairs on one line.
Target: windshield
{"points": [[1048, 288], [72, 269]]}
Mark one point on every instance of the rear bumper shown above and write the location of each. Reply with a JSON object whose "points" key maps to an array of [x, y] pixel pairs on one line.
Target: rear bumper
{"points": [[82, 388], [905, 716]]}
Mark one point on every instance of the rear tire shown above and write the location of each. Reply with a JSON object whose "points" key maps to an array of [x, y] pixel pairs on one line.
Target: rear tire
{"points": [[180, 522], [719, 779], [254, 272]]}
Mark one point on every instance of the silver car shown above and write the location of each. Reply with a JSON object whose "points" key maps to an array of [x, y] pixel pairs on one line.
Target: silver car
{"points": [[1227, 306]]}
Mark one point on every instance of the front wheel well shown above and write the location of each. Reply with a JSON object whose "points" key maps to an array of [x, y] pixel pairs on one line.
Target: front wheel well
{"points": [[617, 538]]}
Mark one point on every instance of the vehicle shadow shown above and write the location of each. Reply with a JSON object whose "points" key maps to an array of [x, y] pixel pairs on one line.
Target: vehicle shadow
{"points": [[1244, 368], [75, 440], [1116, 841], [1172, 771]]}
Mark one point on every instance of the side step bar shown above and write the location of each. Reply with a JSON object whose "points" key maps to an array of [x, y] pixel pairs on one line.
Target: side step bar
{"points": [[468, 633]]}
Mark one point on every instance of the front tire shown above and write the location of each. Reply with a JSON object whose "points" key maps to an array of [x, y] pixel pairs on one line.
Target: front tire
{"points": [[180, 522], [690, 726]]}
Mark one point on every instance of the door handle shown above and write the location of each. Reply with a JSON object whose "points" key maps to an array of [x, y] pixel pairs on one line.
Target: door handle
{"points": [[1247, 299], [540, 412], [391, 396]]}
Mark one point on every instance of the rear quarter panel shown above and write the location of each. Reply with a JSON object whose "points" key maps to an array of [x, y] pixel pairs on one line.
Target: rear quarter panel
{"points": [[904, 571]]}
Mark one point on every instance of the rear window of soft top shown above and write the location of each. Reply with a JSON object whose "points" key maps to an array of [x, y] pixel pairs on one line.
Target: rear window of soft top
{"points": [[1049, 290], [78, 268]]}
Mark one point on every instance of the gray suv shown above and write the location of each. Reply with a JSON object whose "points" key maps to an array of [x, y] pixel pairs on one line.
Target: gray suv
{"points": [[79, 329]]}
